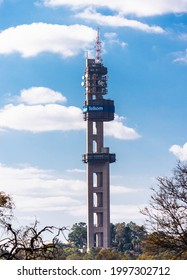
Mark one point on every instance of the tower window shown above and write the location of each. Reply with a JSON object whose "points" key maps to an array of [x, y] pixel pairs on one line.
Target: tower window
{"points": [[97, 179]]}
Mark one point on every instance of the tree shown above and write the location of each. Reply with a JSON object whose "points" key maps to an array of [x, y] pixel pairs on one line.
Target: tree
{"points": [[6, 206], [167, 214], [122, 237], [128, 237], [138, 234], [78, 235], [26, 243], [112, 234]]}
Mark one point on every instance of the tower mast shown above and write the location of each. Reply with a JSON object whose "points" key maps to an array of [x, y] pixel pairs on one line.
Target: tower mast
{"points": [[98, 58], [96, 111]]}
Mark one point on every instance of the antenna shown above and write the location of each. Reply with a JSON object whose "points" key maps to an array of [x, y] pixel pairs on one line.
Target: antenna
{"points": [[86, 54], [98, 58]]}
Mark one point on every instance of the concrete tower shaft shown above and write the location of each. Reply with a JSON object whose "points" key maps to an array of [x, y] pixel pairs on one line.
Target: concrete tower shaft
{"points": [[96, 111]]}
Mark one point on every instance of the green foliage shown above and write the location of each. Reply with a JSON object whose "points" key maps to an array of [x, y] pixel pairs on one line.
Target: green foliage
{"points": [[108, 254], [126, 241], [78, 235], [73, 254], [158, 247], [92, 253]]}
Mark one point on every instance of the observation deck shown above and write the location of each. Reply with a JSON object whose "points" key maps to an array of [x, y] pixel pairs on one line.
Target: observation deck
{"points": [[99, 157], [98, 110]]}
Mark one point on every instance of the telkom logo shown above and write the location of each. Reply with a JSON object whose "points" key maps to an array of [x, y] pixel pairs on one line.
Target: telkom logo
{"points": [[95, 108]]}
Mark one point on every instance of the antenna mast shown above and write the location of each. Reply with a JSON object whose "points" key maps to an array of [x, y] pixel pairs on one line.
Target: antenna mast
{"points": [[98, 58]]}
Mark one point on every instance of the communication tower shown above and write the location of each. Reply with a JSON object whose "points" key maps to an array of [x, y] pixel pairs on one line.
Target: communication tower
{"points": [[96, 111]]}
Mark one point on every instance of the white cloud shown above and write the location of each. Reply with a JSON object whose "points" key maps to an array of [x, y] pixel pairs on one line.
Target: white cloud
{"points": [[40, 95], [183, 36], [33, 117], [47, 204], [180, 152], [113, 39], [35, 189], [31, 40], [118, 130], [76, 170], [55, 117], [126, 213], [118, 21], [41, 118], [78, 211], [181, 57], [123, 190], [110, 35], [126, 7]]}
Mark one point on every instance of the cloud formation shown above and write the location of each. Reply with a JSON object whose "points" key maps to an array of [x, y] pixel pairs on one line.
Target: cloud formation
{"points": [[126, 7], [129, 212], [40, 95], [41, 37], [118, 21], [179, 151], [37, 190], [183, 36], [117, 129], [181, 57], [33, 189], [123, 190], [34, 116], [41, 118], [112, 38], [76, 170]]}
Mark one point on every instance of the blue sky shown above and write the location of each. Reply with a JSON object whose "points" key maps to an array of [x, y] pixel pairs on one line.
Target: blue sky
{"points": [[42, 133]]}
